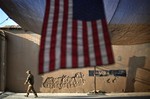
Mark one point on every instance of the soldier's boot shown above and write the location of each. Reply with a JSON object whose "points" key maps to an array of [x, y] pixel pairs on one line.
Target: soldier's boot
{"points": [[35, 95], [26, 95]]}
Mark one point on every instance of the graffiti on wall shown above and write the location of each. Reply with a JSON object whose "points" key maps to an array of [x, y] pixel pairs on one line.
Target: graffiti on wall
{"points": [[64, 81]]}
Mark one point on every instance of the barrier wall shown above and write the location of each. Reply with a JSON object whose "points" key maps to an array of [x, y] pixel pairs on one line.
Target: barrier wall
{"points": [[22, 54]]}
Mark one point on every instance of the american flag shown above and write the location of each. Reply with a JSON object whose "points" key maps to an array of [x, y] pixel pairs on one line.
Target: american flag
{"points": [[74, 35]]}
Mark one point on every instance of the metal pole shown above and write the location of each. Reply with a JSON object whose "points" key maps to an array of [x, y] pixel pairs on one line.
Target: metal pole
{"points": [[95, 79]]}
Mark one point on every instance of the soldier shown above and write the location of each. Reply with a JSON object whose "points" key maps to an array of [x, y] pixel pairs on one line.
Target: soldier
{"points": [[30, 82]]}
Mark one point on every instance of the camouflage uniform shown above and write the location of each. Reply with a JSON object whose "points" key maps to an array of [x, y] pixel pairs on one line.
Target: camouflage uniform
{"points": [[30, 82]]}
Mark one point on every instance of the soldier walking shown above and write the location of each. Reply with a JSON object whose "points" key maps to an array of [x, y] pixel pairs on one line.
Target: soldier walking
{"points": [[30, 82]]}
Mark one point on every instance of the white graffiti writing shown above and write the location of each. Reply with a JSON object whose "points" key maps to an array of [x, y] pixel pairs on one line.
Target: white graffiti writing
{"points": [[65, 81]]}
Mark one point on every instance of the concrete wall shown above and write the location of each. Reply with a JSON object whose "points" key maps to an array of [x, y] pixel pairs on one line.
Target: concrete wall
{"points": [[2, 61], [22, 54], [136, 58]]}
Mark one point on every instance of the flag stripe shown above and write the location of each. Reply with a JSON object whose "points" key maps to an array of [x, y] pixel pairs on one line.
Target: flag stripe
{"points": [[108, 42], [48, 37], [74, 45], [59, 35], [85, 44], [69, 36], [91, 44], [96, 44], [102, 42], [64, 35], [44, 28], [80, 44], [53, 36]]}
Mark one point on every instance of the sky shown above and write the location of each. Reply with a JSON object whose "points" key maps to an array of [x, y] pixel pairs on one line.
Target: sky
{"points": [[3, 21]]}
